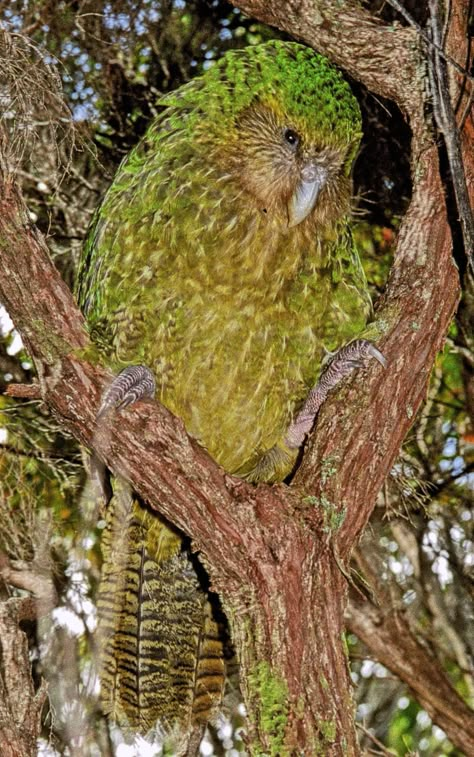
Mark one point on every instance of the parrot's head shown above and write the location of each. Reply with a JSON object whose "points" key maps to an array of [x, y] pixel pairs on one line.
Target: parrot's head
{"points": [[282, 122], [292, 145], [289, 165]]}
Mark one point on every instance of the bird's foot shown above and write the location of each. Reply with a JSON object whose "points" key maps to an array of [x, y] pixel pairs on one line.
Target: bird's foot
{"points": [[131, 385], [347, 359]]}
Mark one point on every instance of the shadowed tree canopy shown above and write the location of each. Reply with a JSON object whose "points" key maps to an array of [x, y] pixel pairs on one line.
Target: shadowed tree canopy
{"points": [[366, 553]]}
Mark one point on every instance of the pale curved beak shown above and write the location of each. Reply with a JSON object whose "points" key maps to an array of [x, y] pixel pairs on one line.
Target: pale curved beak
{"points": [[303, 200]]}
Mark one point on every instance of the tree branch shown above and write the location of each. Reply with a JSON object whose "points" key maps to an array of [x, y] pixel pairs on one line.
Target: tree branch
{"points": [[422, 294], [446, 123], [387, 634], [26, 576], [386, 58]]}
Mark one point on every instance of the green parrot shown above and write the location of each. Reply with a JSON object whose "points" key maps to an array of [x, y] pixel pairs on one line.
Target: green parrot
{"points": [[219, 272]]}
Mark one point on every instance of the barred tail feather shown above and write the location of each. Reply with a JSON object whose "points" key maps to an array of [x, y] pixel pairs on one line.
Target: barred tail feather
{"points": [[160, 649], [210, 670]]}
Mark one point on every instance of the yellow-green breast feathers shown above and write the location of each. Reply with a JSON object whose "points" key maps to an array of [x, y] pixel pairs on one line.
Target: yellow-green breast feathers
{"points": [[192, 268]]}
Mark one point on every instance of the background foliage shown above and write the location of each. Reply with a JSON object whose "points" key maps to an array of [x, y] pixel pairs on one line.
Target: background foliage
{"points": [[79, 82]]}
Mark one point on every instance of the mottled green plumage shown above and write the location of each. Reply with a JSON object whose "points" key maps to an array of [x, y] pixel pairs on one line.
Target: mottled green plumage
{"points": [[194, 268]]}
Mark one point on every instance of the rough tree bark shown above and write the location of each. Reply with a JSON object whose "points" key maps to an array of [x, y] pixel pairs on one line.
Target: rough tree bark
{"points": [[20, 705], [276, 555]]}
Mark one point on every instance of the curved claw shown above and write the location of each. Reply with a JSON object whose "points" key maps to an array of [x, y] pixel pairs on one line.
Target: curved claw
{"points": [[131, 385], [348, 358], [375, 353]]}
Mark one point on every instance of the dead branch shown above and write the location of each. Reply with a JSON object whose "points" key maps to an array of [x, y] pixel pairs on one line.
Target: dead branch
{"points": [[387, 633]]}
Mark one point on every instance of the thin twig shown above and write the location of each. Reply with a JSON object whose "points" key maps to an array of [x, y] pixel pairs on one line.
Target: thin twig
{"points": [[432, 43], [373, 738], [24, 391], [446, 123]]}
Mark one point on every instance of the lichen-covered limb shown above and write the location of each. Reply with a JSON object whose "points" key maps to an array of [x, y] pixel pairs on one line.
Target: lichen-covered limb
{"points": [[282, 685], [342, 364]]}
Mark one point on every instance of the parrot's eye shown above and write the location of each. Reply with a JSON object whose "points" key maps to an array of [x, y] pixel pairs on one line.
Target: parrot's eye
{"points": [[291, 137]]}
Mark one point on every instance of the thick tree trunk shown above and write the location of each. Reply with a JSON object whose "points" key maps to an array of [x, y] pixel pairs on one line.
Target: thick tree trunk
{"points": [[287, 628]]}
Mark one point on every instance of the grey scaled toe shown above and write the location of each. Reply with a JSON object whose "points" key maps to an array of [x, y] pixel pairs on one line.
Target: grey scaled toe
{"points": [[131, 385], [348, 358]]}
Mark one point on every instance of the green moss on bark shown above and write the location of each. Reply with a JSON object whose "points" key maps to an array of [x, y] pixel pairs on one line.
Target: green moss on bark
{"points": [[271, 693]]}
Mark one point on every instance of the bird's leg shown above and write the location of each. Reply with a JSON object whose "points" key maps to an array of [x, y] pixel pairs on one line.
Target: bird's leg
{"points": [[345, 360], [100, 476], [131, 385]]}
